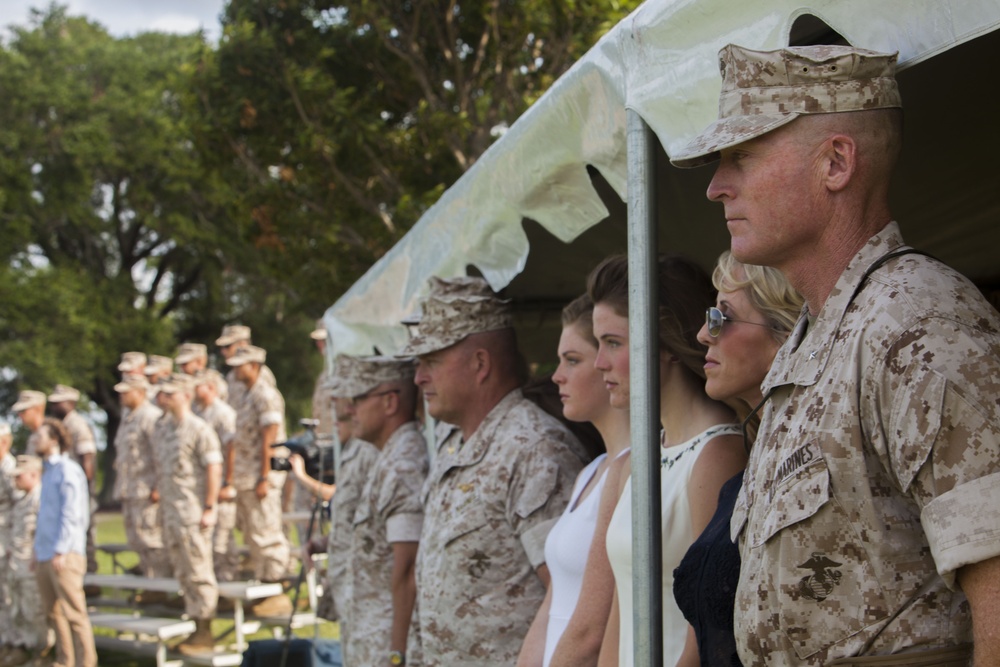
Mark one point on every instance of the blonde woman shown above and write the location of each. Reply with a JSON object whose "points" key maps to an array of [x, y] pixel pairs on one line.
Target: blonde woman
{"points": [[755, 309]]}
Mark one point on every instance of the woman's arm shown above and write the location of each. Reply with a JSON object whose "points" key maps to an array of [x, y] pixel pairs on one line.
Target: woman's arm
{"points": [[582, 640], [533, 649]]}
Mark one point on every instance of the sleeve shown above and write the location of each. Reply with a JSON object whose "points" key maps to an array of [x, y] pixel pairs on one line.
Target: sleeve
{"points": [[74, 512], [83, 437], [539, 492], [209, 450], [940, 425], [399, 500], [270, 407]]}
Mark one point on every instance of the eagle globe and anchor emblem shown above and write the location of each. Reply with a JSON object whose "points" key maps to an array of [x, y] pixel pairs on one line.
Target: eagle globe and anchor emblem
{"points": [[818, 585]]}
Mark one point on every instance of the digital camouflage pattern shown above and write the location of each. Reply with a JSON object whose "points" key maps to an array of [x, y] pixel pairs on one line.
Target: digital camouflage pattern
{"points": [[260, 520], [80, 434], [366, 373], [262, 406], [236, 390], [875, 475], [489, 504], [225, 553], [135, 479], [356, 461], [185, 449], [389, 511], [763, 90], [8, 495], [27, 626], [454, 309]]}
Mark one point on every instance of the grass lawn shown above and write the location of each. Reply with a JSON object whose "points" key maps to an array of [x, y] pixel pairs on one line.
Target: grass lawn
{"points": [[110, 530]]}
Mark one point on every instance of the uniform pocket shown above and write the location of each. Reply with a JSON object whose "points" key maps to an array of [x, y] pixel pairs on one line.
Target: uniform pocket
{"points": [[826, 586], [468, 518]]}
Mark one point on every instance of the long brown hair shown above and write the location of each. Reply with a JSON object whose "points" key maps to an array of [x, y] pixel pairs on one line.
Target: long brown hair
{"points": [[57, 432]]}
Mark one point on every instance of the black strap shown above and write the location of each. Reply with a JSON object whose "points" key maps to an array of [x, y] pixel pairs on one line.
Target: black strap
{"points": [[878, 264]]}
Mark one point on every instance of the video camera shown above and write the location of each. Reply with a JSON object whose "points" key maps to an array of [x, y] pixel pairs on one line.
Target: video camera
{"points": [[316, 452]]}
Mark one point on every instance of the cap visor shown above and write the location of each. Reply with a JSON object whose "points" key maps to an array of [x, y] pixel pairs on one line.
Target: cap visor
{"points": [[726, 133]]}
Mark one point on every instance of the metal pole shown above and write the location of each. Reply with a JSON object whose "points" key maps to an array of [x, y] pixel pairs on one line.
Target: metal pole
{"points": [[644, 369]]}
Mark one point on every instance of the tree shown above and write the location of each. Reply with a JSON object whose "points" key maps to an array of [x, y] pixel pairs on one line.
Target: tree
{"points": [[117, 236], [344, 121]]}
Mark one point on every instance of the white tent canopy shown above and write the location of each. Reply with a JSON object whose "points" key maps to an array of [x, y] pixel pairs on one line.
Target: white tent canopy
{"points": [[661, 63]]}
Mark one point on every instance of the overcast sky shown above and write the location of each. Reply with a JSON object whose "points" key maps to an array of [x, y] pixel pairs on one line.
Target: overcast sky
{"points": [[128, 17]]}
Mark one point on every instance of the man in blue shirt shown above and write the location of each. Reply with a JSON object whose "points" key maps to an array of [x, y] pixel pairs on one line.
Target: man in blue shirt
{"points": [[60, 547]]}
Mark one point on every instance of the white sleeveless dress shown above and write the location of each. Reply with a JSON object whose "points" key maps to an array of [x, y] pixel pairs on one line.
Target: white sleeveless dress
{"points": [[676, 463], [566, 549]]}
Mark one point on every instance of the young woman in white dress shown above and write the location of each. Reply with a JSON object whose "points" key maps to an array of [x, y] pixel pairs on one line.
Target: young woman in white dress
{"points": [[582, 583], [700, 443]]}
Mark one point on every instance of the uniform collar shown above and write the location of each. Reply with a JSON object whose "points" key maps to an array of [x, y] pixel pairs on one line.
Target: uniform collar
{"points": [[804, 356]]}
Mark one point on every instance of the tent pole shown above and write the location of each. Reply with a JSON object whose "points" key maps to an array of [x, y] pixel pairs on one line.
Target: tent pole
{"points": [[644, 368]]}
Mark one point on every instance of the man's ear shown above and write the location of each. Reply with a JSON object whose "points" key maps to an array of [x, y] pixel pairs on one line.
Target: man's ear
{"points": [[840, 161], [482, 363]]}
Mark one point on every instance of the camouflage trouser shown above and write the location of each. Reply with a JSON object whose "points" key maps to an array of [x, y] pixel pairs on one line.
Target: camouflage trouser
{"points": [[28, 627], [5, 575], [262, 532], [145, 536], [225, 553], [190, 549]]}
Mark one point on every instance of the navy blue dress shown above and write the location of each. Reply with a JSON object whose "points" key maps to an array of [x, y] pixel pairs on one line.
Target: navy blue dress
{"points": [[705, 584]]}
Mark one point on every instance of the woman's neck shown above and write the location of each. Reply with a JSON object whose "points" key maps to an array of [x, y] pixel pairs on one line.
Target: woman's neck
{"points": [[685, 409], [613, 426]]}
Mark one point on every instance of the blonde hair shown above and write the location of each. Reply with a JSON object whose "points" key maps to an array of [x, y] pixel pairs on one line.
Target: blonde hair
{"points": [[766, 288]]}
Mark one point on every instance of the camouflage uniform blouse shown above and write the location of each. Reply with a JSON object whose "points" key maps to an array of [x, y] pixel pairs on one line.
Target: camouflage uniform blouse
{"points": [[81, 434], [184, 450], [135, 460], [355, 466], [261, 406], [389, 511], [489, 504], [876, 473]]}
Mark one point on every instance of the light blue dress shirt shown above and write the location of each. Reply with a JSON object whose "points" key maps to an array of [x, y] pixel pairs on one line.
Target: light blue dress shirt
{"points": [[64, 510]]}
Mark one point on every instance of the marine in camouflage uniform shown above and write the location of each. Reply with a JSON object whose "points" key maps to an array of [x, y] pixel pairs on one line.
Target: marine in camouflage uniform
{"points": [[222, 418], [8, 496], [83, 450], [389, 516], [135, 476], [189, 466], [492, 494], [260, 422], [28, 628], [30, 409], [867, 521]]}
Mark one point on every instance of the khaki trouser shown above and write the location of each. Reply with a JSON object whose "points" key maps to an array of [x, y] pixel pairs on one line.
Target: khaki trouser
{"points": [[225, 553], [190, 549], [263, 532], [28, 628], [145, 536], [66, 607]]}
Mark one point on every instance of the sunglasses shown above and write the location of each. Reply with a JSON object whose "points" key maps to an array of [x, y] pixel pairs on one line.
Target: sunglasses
{"points": [[358, 399], [714, 319]]}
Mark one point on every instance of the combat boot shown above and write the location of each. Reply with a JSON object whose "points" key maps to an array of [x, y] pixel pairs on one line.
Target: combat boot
{"points": [[200, 641], [272, 607]]}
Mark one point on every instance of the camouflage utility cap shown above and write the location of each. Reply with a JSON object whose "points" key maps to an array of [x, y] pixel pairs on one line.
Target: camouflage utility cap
{"points": [[763, 90], [159, 364], [189, 352], [132, 382], [62, 393], [233, 333], [338, 381], [454, 309], [177, 382], [209, 376], [366, 373], [28, 399], [132, 361], [247, 354], [26, 463]]}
